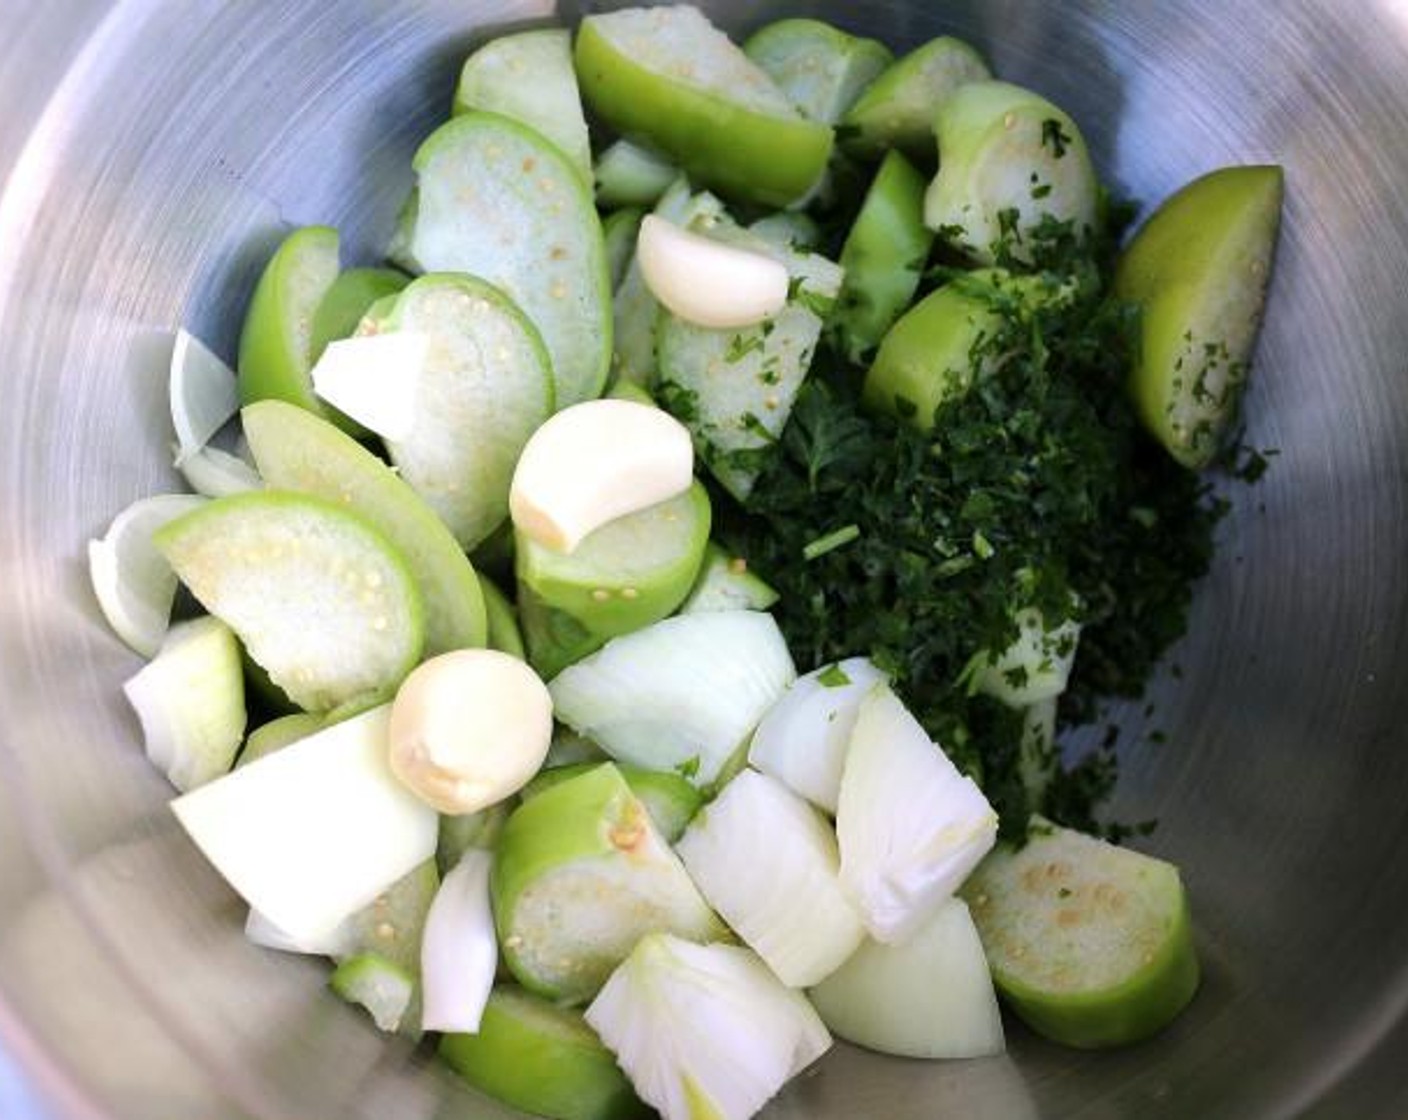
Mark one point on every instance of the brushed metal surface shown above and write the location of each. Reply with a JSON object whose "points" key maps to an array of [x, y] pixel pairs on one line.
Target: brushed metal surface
{"points": [[152, 154]]}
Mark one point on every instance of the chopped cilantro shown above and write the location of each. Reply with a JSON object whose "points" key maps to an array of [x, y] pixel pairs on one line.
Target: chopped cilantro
{"points": [[741, 345], [1055, 137], [1037, 488], [830, 542]]}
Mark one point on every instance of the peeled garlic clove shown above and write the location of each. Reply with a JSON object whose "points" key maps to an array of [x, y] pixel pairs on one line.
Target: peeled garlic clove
{"points": [[595, 462], [706, 282], [469, 728]]}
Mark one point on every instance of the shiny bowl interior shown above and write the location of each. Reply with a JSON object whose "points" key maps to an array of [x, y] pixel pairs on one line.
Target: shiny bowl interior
{"points": [[154, 152]]}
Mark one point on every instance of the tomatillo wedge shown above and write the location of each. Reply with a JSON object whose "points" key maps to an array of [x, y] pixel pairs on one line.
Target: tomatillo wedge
{"points": [[1009, 163], [553, 639], [668, 797], [581, 875], [669, 79], [504, 634], [821, 68], [897, 109], [382, 988], [532, 1054], [528, 76], [883, 258], [320, 599], [190, 701], [927, 357], [349, 298], [631, 572], [734, 388], [619, 230], [1198, 270], [277, 342], [1091, 945], [724, 583]]}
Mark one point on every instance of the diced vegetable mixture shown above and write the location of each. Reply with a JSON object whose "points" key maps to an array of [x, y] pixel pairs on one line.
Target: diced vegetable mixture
{"points": [[506, 552]]}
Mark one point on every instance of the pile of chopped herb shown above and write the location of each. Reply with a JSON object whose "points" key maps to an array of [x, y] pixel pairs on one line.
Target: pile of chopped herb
{"points": [[1036, 488]]}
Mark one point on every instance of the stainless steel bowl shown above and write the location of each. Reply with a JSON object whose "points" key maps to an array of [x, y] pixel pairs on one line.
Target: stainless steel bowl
{"points": [[154, 150]]}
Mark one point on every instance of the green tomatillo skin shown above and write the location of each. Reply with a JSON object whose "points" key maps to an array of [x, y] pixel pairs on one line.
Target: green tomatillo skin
{"points": [[533, 1055], [927, 356], [503, 632], [1091, 945], [936, 350], [883, 258], [1009, 160], [295, 450], [897, 109], [669, 798], [631, 572], [278, 733], [580, 876], [1198, 271], [277, 347], [619, 230], [666, 78]]}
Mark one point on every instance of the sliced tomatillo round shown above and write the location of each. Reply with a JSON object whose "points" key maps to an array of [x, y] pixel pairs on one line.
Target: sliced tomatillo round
{"points": [[296, 450], [485, 386], [320, 599], [1090, 944]]}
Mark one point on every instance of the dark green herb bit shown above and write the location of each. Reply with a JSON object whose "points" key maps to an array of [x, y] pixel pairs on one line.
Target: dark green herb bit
{"points": [[1036, 488]]}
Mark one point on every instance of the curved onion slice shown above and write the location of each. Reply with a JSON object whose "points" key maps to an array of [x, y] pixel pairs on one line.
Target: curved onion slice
{"points": [[190, 700], [767, 862], [705, 1030], [910, 826], [214, 473], [458, 952], [706, 282], [313, 832], [931, 997], [204, 394], [374, 379], [682, 694], [134, 584], [802, 740]]}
